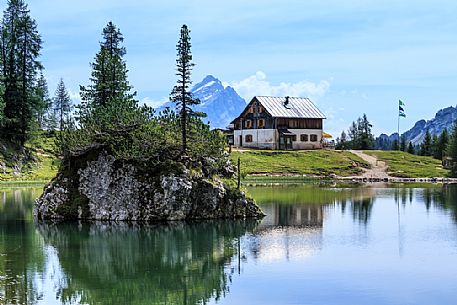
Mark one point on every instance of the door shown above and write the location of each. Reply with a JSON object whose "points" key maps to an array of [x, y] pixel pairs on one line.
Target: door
{"points": [[241, 141], [288, 142]]}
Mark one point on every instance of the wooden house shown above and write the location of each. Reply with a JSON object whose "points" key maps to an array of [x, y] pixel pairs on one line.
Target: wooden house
{"points": [[279, 123]]}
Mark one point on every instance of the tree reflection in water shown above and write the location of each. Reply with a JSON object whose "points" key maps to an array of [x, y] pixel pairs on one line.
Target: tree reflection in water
{"points": [[179, 263], [21, 252]]}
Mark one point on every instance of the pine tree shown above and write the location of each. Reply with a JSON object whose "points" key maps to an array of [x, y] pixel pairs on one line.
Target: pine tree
{"points": [[395, 145], [426, 146], [366, 137], [62, 106], [360, 134], [43, 102], [439, 149], [411, 148], [20, 46], [354, 136], [342, 142], [452, 149], [403, 143], [109, 82], [180, 94], [434, 147]]}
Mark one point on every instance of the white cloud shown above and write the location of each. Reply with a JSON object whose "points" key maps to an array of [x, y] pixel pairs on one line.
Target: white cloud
{"points": [[154, 103], [259, 85]]}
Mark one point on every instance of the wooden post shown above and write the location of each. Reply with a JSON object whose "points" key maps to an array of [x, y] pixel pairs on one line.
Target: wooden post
{"points": [[239, 172]]}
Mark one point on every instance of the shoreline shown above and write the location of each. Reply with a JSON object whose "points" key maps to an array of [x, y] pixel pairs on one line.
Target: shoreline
{"points": [[23, 183], [281, 178], [355, 179]]}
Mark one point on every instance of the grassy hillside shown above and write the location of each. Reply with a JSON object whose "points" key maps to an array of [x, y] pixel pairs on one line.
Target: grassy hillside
{"points": [[312, 163], [402, 164], [37, 161]]}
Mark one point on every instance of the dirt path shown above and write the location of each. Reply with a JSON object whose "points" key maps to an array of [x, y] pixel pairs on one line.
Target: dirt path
{"points": [[378, 168]]}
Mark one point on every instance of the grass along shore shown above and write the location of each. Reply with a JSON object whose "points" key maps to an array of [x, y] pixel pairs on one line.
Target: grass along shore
{"points": [[266, 165], [311, 163], [404, 165]]}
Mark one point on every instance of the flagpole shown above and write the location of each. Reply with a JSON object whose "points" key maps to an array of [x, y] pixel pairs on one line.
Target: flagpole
{"points": [[398, 131], [401, 113]]}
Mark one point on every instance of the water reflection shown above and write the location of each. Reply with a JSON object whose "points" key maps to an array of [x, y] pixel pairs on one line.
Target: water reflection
{"points": [[195, 263], [21, 255], [306, 205], [165, 264]]}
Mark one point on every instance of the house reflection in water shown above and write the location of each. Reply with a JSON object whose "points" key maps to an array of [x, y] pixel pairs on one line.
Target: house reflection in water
{"points": [[288, 232], [293, 227], [293, 215]]}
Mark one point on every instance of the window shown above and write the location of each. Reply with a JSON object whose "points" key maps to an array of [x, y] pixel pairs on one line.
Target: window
{"points": [[313, 138], [304, 137], [248, 124], [248, 138], [294, 138], [261, 123]]}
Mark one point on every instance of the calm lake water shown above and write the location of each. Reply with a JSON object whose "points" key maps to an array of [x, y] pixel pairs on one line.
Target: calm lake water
{"points": [[319, 244]]}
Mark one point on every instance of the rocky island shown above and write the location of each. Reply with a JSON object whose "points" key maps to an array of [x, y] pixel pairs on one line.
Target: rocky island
{"points": [[124, 162], [98, 186]]}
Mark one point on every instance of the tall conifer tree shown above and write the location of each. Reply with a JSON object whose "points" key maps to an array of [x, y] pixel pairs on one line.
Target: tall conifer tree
{"points": [[426, 146], [20, 46], [43, 104], [452, 149], [62, 106], [411, 149], [109, 82], [180, 94], [403, 146]]}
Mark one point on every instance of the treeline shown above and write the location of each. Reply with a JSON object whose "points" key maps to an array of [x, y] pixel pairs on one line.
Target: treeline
{"points": [[435, 146], [359, 135], [25, 105], [109, 115], [440, 147]]}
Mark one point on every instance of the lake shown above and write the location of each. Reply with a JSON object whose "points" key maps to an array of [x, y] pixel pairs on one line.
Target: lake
{"points": [[318, 244]]}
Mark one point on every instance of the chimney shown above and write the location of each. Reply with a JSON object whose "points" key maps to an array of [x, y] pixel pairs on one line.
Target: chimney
{"points": [[287, 101]]}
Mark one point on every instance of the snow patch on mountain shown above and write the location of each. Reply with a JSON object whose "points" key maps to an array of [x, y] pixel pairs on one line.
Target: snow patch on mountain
{"points": [[221, 103]]}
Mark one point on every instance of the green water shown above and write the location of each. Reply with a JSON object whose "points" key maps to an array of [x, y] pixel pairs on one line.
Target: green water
{"points": [[318, 244]]}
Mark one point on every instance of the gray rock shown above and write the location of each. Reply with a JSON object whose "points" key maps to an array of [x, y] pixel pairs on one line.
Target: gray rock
{"points": [[109, 189]]}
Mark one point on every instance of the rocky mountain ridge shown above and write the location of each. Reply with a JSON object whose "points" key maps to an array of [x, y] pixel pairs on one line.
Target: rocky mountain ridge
{"points": [[444, 118], [220, 103]]}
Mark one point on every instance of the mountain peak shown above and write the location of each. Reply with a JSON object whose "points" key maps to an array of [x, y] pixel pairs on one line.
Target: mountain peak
{"points": [[210, 78], [220, 104], [208, 81]]}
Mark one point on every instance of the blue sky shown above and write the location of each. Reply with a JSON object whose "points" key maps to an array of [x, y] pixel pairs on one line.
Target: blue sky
{"points": [[350, 57]]}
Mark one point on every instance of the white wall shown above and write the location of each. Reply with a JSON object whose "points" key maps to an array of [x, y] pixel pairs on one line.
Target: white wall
{"points": [[261, 138], [307, 145], [269, 138]]}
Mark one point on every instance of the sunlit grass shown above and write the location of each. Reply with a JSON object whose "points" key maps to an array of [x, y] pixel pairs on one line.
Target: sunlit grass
{"points": [[403, 164], [309, 163]]}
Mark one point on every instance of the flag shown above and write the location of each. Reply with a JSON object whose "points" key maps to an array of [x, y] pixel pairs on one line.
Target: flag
{"points": [[401, 110]]}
